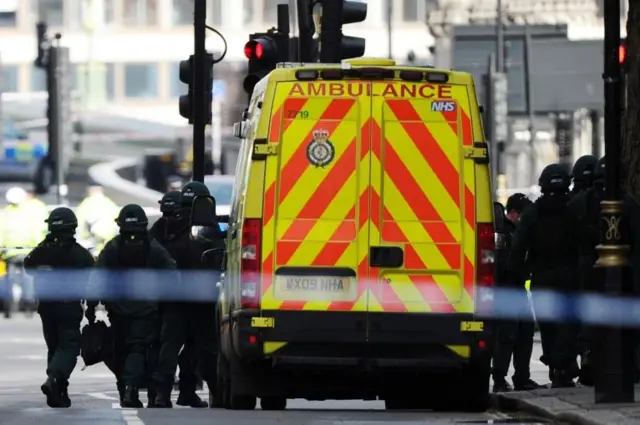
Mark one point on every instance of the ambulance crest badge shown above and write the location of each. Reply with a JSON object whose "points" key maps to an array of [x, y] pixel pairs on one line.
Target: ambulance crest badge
{"points": [[320, 151]]}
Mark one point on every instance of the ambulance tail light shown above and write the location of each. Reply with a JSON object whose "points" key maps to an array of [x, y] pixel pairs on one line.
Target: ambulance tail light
{"points": [[250, 263], [485, 268]]}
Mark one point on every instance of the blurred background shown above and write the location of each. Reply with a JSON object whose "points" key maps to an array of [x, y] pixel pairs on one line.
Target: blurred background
{"points": [[124, 55]]}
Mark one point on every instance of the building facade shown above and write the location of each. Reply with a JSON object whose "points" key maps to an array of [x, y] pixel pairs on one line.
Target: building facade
{"points": [[126, 52]]}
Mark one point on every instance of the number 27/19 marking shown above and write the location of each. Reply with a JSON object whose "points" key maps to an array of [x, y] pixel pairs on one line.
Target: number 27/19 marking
{"points": [[293, 113]]}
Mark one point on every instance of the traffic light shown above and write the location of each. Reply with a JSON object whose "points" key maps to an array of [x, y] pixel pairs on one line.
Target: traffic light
{"points": [[622, 55], [329, 16], [353, 12], [264, 51], [186, 102]]}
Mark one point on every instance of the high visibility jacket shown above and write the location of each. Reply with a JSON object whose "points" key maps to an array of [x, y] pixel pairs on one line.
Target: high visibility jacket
{"points": [[93, 209], [38, 212], [16, 236]]}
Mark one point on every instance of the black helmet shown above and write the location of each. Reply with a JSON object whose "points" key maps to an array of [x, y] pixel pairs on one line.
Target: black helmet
{"points": [[517, 202], [62, 219], [170, 202], [132, 218], [583, 169], [554, 178], [598, 174], [192, 190]]}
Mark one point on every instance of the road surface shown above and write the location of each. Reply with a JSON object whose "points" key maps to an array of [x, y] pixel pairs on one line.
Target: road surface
{"points": [[22, 356]]}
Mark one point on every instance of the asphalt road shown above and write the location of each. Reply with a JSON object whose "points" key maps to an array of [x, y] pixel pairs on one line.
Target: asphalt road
{"points": [[22, 356]]}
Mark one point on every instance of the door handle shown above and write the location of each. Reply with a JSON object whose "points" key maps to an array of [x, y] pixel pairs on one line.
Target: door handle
{"points": [[386, 256]]}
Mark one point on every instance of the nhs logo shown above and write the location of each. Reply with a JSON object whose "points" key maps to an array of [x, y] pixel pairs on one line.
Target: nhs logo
{"points": [[443, 106]]}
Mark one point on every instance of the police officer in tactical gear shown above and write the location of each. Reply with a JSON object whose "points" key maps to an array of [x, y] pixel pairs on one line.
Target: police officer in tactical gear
{"points": [[165, 230], [582, 173], [585, 208], [56, 265], [544, 237], [184, 319], [130, 298], [515, 330]]}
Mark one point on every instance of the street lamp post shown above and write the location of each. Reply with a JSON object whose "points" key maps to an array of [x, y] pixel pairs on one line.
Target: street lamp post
{"points": [[613, 345]]}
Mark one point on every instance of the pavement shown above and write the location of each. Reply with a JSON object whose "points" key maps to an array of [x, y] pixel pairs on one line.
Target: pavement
{"points": [[22, 356], [571, 406]]}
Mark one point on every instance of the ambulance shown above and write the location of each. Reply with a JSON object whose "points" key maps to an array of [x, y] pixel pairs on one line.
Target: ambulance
{"points": [[360, 259]]}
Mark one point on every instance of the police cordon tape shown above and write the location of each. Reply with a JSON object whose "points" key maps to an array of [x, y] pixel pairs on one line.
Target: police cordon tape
{"points": [[204, 286]]}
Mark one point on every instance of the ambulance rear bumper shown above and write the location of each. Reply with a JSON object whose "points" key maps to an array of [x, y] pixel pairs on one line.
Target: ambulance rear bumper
{"points": [[360, 339]]}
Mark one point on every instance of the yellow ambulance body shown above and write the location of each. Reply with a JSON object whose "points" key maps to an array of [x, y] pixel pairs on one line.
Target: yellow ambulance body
{"points": [[361, 240]]}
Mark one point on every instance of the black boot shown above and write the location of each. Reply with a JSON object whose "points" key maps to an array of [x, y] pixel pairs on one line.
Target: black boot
{"points": [[501, 386], [163, 397], [151, 395], [52, 390], [131, 398], [562, 379], [121, 388], [66, 401], [191, 400]]}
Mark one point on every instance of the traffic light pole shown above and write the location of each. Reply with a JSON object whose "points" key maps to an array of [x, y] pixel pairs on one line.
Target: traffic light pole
{"points": [[199, 109], [613, 344], [305, 32]]}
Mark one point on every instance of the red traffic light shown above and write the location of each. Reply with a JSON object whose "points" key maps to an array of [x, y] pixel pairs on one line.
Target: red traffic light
{"points": [[254, 50], [622, 53]]}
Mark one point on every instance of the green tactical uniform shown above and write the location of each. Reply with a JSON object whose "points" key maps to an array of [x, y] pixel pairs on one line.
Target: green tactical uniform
{"points": [[185, 319], [59, 286], [164, 230], [130, 297]]}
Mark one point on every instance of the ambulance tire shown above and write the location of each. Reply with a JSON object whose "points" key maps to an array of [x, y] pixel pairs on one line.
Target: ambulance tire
{"points": [[273, 403], [405, 402], [231, 399], [468, 392], [474, 392], [217, 394]]}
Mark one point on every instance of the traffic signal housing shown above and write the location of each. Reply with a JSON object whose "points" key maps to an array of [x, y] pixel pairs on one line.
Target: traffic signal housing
{"points": [[329, 16], [186, 102], [352, 13], [264, 51]]}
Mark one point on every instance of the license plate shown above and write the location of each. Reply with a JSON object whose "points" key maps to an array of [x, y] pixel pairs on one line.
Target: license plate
{"points": [[315, 288]]}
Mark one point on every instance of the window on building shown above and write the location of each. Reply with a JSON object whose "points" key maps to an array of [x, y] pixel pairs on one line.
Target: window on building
{"points": [[141, 80], [109, 11], [177, 87], [38, 80], [9, 78], [247, 11], [416, 10], [270, 10], [110, 76], [8, 19], [140, 13], [50, 11], [182, 13]]}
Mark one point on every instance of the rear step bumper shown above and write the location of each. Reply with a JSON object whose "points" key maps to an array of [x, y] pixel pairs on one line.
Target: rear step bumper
{"points": [[356, 339]]}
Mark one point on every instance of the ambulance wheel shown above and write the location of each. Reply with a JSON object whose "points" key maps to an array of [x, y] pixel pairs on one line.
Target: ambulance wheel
{"points": [[405, 403], [217, 394], [474, 390], [273, 403], [240, 401], [231, 399]]}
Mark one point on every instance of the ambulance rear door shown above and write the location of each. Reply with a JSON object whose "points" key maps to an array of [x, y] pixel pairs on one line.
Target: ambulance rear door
{"points": [[422, 244], [315, 234]]}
